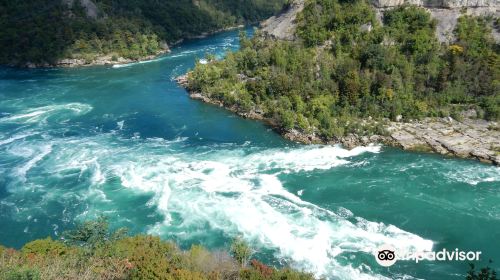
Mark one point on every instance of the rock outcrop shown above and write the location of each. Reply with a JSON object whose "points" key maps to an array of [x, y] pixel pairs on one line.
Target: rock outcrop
{"points": [[283, 25], [447, 4], [447, 21], [469, 138], [446, 12]]}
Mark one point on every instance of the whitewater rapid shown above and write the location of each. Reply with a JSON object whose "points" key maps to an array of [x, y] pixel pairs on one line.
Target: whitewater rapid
{"points": [[236, 190], [75, 144]]}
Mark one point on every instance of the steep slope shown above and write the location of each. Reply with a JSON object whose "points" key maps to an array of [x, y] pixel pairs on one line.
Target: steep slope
{"points": [[446, 12], [282, 26], [355, 74], [449, 4], [68, 32]]}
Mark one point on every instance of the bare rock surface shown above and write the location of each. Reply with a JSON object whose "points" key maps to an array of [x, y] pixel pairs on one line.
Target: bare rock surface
{"points": [[447, 17], [283, 25], [469, 138], [436, 3], [446, 12]]}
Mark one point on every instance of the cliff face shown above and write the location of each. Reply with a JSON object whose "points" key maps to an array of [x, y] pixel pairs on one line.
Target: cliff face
{"points": [[447, 4], [447, 20], [282, 26], [446, 12]]}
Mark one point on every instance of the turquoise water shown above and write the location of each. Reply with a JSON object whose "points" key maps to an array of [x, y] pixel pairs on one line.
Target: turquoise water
{"points": [[127, 142]]}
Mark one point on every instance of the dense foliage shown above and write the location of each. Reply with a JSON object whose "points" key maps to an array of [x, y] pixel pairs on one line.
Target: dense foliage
{"points": [[41, 31], [348, 69], [92, 252], [485, 273]]}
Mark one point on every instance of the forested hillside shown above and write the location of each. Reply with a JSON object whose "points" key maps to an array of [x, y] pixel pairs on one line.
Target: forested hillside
{"points": [[44, 31], [348, 72]]}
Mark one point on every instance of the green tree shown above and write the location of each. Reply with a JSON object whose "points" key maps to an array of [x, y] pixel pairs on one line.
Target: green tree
{"points": [[92, 234], [241, 251]]}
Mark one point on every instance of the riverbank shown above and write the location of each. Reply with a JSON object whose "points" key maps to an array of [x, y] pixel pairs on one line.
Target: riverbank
{"points": [[108, 59], [111, 59], [469, 137], [102, 60]]}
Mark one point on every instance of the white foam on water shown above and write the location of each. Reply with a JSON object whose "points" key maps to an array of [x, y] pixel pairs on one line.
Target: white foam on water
{"points": [[232, 189], [41, 114], [16, 137], [473, 175], [241, 194], [160, 58], [116, 66], [308, 159], [40, 154], [120, 124]]}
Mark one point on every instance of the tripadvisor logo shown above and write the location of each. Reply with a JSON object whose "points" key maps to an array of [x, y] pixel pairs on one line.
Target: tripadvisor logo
{"points": [[386, 255]]}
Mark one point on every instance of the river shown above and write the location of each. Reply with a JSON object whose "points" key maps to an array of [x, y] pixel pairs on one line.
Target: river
{"points": [[127, 142]]}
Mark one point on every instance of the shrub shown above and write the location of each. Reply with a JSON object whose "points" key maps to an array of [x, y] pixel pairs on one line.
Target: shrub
{"points": [[20, 273], [138, 257], [291, 274], [45, 247], [92, 234], [151, 258], [485, 273], [240, 251], [255, 273], [263, 269], [491, 106]]}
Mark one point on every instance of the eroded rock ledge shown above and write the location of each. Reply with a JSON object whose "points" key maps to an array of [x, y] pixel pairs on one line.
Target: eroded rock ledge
{"points": [[468, 138], [446, 12]]}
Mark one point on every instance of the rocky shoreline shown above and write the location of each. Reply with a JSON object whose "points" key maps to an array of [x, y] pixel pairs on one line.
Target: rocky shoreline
{"points": [[108, 59], [469, 137], [98, 61]]}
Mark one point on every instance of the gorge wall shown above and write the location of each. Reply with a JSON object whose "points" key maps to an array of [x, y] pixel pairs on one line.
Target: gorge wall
{"points": [[447, 4], [446, 12]]}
